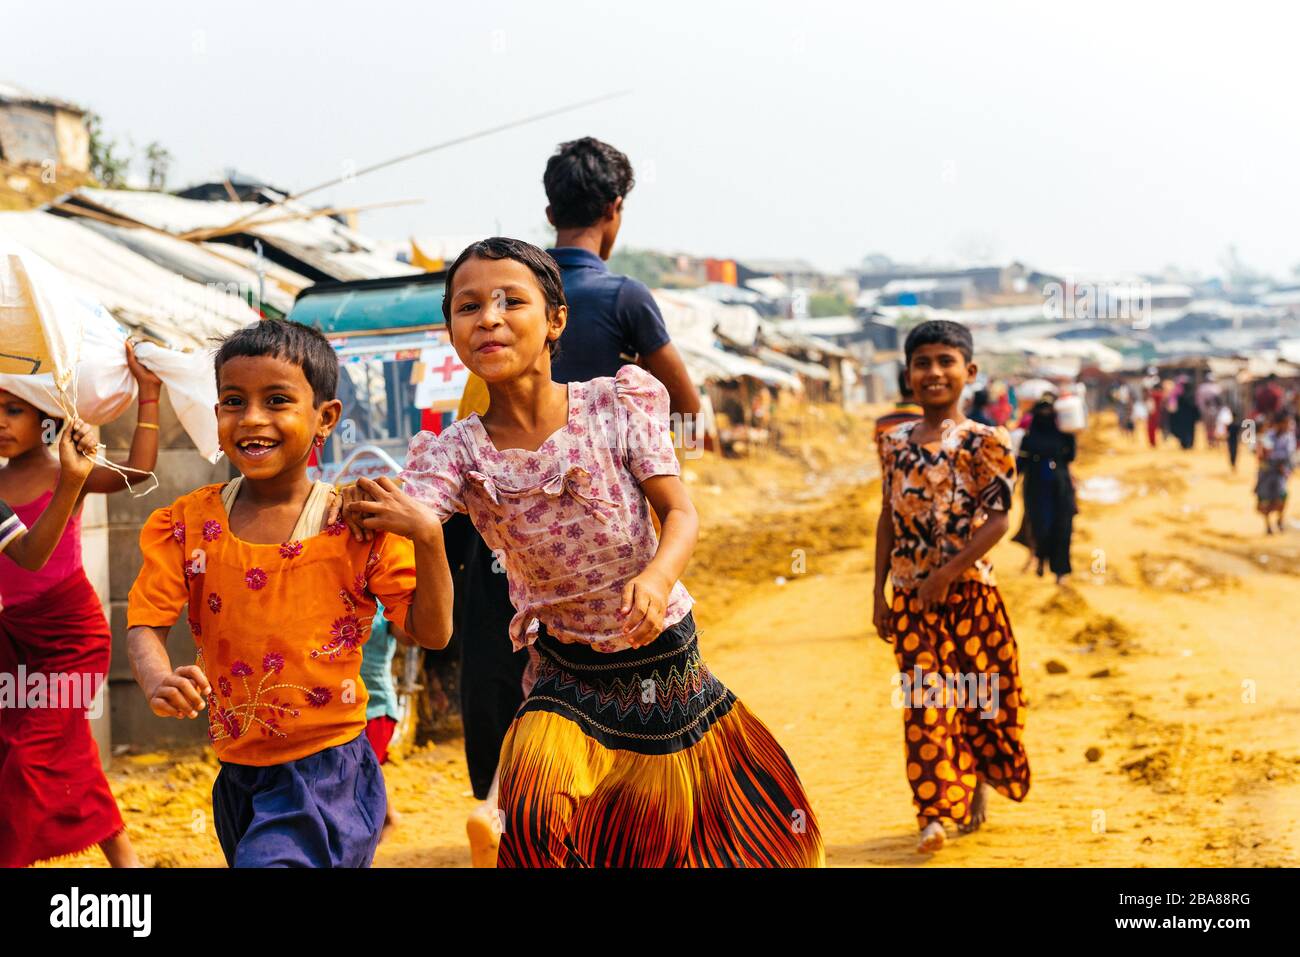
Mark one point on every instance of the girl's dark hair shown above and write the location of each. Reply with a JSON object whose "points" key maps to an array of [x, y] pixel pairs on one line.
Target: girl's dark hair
{"points": [[904, 384], [940, 332], [545, 270], [582, 178], [302, 345]]}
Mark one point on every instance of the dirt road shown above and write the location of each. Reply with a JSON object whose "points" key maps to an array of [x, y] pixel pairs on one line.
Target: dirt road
{"points": [[1163, 734], [1173, 656]]}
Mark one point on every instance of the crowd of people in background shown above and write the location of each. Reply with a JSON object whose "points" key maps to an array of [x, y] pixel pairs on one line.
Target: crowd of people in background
{"points": [[1262, 416]]}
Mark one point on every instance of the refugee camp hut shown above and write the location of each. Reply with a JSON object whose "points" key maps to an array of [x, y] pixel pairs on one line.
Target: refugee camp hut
{"points": [[838, 364], [44, 148], [298, 238], [738, 392]]}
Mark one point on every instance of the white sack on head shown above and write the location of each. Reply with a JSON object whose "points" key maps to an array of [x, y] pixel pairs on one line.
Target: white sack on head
{"points": [[40, 317], [192, 388], [103, 384]]}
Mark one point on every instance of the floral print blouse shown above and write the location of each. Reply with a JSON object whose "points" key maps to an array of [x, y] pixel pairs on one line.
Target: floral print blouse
{"points": [[939, 498], [569, 521], [279, 628]]}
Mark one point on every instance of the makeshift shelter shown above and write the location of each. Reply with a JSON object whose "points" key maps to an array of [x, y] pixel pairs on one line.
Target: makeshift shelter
{"points": [[293, 235], [148, 299]]}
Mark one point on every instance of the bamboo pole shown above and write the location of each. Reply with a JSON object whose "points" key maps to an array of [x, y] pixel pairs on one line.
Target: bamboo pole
{"points": [[455, 141], [201, 235]]}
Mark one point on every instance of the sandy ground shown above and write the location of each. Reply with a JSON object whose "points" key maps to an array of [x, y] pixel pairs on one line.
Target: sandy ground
{"points": [[1162, 681]]}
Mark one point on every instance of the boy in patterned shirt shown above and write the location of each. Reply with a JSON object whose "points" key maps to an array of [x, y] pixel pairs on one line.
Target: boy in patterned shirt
{"points": [[947, 483]]}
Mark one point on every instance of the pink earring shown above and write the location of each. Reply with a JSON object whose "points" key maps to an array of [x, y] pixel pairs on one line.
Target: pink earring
{"points": [[320, 441]]}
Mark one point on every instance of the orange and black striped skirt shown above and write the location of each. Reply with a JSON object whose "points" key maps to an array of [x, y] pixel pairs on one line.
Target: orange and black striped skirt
{"points": [[964, 725], [643, 758]]}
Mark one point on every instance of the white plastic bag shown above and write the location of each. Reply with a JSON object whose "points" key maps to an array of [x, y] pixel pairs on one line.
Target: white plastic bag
{"points": [[105, 388], [191, 387], [102, 386], [1071, 414], [58, 347], [40, 318]]}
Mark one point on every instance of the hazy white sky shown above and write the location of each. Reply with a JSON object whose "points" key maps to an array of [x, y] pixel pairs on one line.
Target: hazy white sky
{"points": [[1117, 136]]}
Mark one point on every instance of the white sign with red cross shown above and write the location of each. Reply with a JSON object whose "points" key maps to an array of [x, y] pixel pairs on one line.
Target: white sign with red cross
{"points": [[443, 380]]}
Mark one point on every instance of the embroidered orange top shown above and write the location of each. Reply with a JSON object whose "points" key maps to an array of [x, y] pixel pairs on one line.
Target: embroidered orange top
{"points": [[279, 628]]}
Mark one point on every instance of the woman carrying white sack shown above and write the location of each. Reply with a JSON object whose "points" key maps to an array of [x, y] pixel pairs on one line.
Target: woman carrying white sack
{"points": [[54, 798]]}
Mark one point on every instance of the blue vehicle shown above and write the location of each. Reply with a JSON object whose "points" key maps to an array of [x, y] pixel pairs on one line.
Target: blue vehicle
{"points": [[390, 338]]}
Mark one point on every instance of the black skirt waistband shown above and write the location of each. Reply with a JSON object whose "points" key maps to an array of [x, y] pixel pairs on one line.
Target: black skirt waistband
{"points": [[580, 658]]}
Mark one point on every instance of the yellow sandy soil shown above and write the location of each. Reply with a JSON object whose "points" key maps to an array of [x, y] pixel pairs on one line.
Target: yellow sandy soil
{"points": [[1164, 733]]}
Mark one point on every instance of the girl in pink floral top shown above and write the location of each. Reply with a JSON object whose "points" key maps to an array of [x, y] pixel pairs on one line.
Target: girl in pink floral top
{"points": [[627, 750], [569, 521]]}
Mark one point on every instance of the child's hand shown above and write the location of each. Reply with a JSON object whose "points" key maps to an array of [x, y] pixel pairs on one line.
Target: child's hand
{"points": [[386, 508], [645, 599], [880, 617], [149, 384], [77, 449], [341, 498], [933, 590], [181, 694]]}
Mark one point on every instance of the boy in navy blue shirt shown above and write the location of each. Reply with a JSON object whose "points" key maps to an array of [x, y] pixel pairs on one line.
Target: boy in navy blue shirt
{"points": [[613, 319]]}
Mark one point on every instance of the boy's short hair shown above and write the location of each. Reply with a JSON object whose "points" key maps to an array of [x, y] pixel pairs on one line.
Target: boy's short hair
{"points": [[940, 332], [302, 345], [582, 178]]}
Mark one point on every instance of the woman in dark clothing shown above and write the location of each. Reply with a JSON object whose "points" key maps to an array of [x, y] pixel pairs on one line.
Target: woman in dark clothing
{"points": [[1233, 433], [1044, 461], [1183, 420]]}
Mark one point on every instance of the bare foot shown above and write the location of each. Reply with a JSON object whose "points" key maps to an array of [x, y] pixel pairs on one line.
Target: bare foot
{"points": [[483, 826], [979, 810], [933, 837]]}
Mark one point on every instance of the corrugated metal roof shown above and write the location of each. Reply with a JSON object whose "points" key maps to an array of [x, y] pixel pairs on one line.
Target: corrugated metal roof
{"points": [[319, 241], [783, 361], [290, 281], [194, 261], [343, 266], [161, 304], [707, 363]]}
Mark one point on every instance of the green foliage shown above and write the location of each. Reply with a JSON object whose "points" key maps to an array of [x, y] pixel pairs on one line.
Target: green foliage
{"points": [[159, 160], [644, 264], [829, 304], [106, 165]]}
